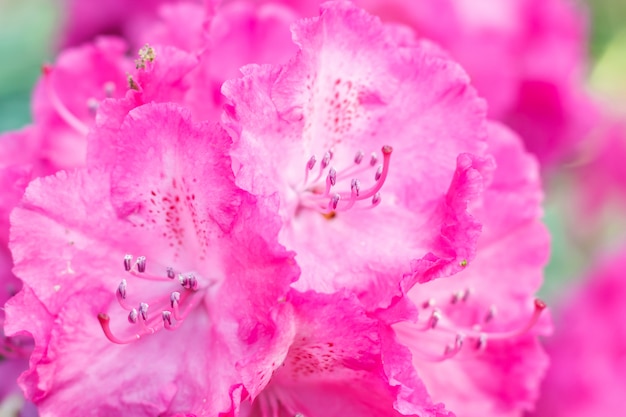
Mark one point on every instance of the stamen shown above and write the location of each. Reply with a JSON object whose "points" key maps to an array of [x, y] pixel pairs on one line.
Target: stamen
{"points": [[373, 159], [133, 316], [143, 310], [60, 108], [376, 199], [490, 314], [481, 342], [311, 164], [92, 105], [141, 264], [355, 187], [428, 303], [128, 262], [170, 273], [174, 299], [326, 160], [167, 319], [121, 289], [358, 158], [379, 173], [109, 89], [435, 317], [334, 201]]}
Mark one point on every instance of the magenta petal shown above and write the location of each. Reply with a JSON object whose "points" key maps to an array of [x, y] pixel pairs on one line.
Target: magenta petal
{"points": [[342, 363], [165, 192]]}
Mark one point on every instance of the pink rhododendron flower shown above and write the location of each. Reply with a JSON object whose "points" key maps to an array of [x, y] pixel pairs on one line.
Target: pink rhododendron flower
{"points": [[362, 170], [405, 214], [472, 344], [205, 265], [587, 376]]}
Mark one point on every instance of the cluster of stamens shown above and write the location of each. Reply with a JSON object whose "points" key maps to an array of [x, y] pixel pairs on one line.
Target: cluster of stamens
{"points": [[324, 192], [174, 308], [472, 338]]}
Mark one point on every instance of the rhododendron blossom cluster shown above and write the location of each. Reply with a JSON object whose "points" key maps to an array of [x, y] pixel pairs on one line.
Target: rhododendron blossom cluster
{"points": [[263, 215]]}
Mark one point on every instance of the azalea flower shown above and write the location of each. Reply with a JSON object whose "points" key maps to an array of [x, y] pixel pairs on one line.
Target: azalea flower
{"points": [[153, 238], [587, 376], [408, 212]]}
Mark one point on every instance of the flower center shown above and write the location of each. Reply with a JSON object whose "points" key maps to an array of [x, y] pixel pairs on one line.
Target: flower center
{"points": [[334, 190], [441, 325], [174, 307]]}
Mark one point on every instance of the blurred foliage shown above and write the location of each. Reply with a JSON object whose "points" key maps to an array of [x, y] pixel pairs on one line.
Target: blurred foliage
{"points": [[26, 28]]}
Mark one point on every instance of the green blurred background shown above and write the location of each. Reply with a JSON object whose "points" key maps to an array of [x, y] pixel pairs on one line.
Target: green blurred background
{"points": [[27, 40]]}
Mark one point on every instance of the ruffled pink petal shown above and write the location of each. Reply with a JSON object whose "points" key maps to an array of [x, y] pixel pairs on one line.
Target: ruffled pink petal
{"points": [[342, 363], [342, 93], [167, 193]]}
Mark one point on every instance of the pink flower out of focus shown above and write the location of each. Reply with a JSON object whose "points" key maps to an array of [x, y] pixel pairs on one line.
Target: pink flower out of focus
{"points": [[587, 376], [378, 152]]}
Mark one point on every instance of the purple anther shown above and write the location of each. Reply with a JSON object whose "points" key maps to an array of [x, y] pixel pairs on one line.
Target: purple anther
{"points": [[167, 317], [311, 163], [379, 173], [192, 282], [481, 342], [132, 316], [466, 294], [458, 342], [188, 281], [326, 160], [109, 89], [376, 199], [128, 262], [334, 201], [332, 176], [490, 314], [174, 299], [373, 159], [455, 298], [141, 264], [355, 186], [121, 289], [434, 319], [93, 104], [182, 279], [170, 272], [143, 310], [428, 303], [358, 157]]}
